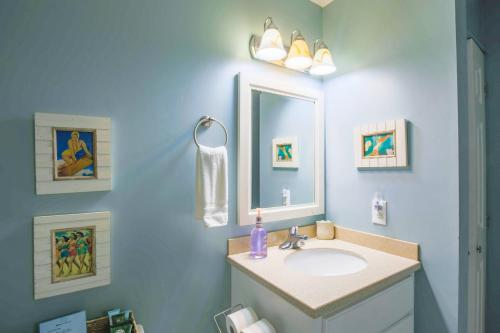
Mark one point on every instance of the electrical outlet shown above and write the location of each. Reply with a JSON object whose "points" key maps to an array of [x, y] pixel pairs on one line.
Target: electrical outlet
{"points": [[379, 209]]}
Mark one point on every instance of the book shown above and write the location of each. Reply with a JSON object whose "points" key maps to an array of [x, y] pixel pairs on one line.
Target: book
{"points": [[73, 323]]}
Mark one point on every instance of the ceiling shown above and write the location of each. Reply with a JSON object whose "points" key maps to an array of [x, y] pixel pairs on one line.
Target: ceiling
{"points": [[322, 3]]}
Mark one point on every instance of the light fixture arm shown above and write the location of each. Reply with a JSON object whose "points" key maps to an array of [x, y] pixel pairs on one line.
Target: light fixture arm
{"points": [[296, 34], [268, 23], [321, 43], [316, 45]]}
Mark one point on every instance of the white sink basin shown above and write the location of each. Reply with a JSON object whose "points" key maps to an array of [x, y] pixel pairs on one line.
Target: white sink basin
{"points": [[325, 262]]}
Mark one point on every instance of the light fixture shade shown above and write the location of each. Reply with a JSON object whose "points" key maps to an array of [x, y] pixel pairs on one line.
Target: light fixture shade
{"points": [[270, 47], [299, 56], [322, 62]]}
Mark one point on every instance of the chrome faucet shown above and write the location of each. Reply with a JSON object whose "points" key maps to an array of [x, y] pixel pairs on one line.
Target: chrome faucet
{"points": [[294, 241]]}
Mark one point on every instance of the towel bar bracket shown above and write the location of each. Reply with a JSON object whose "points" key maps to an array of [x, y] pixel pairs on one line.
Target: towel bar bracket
{"points": [[206, 121]]}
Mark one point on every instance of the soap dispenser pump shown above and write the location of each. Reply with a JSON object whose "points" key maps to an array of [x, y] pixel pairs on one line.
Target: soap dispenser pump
{"points": [[258, 239]]}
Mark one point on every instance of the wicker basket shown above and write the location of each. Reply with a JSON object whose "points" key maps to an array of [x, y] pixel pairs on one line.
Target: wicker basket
{"points": [[101, 325]]}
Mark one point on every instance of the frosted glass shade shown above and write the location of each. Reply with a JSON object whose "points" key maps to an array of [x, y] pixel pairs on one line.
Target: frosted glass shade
{"points": [[298, 57], [322, 63], [271, 46]]}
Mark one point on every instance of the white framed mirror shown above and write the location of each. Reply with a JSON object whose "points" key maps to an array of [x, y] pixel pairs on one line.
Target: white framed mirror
{"points": [[280, 150]]}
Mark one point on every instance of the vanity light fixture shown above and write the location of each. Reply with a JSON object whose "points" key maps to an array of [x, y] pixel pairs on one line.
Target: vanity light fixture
{"points": [[322, 61], [270, 46], [299, 57]]}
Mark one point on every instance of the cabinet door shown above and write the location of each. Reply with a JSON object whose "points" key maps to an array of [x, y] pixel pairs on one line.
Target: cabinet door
{"points": [[283, 315], [377, 313], [403, 326]]}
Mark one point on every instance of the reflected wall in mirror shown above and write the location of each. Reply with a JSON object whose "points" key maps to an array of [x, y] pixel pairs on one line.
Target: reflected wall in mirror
{"points": [[282, 150]]}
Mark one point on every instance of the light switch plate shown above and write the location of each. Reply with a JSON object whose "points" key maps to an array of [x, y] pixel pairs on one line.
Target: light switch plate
{"points": [[379, 212]]}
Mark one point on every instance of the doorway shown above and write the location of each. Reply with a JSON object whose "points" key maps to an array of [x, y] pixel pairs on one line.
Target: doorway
{"points": [[477, 188]]}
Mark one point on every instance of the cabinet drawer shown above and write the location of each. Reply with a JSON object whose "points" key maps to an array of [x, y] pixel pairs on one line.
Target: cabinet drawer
{"points": [[403, 326], [376, 313]]}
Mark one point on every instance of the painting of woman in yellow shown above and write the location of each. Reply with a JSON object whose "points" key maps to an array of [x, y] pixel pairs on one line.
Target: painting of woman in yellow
{"points": [[74, 154]]}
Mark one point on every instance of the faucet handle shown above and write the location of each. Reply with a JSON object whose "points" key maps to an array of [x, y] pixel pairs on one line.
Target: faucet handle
{"points": [[294, 230], [294, 241]]}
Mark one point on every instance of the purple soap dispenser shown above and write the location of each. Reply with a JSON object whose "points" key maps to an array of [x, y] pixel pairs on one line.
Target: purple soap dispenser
{"points": [[258, 239]]}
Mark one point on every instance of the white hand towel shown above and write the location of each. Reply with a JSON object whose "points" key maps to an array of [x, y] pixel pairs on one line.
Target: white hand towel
{"points": [[211, 186]]}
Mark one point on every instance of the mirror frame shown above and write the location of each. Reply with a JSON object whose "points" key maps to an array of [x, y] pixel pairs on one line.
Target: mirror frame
{"points": [[247, 83]]}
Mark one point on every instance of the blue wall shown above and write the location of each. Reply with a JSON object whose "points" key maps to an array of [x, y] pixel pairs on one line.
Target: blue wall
{"points": [[280, 117], [154, 67], [491, 37], [399, 60]]}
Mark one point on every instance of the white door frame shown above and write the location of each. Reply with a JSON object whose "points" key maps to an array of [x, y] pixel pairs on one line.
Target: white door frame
{"points": [[477, 189]]}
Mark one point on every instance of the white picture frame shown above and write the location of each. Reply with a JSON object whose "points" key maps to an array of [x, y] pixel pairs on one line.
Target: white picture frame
{"points": [[366, 154], [247, 83], [47, 179], [292, 142], [44, 229]]}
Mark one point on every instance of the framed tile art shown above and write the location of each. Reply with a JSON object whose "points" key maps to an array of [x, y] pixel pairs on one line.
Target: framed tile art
{"points": [[381, 145], [285, 153], [71, 253], [72, 153]]}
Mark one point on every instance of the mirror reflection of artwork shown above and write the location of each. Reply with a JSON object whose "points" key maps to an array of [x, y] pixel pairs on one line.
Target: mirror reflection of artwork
{"points": [[379, 145], [74, 151], [281, 149], [285, 153], [283, 140], [73, 253]]}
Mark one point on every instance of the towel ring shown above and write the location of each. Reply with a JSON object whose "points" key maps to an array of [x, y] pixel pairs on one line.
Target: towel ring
{"points": [[206, 121]]}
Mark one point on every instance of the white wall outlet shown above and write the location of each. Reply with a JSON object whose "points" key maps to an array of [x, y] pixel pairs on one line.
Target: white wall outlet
{"points": [[379, 209]]}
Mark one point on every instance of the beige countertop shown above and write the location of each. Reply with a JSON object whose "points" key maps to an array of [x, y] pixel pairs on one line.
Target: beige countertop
{"points": [[325, 295]]}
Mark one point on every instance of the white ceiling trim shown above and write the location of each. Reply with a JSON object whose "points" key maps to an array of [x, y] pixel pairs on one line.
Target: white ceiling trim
{"points": [[322, 3]]}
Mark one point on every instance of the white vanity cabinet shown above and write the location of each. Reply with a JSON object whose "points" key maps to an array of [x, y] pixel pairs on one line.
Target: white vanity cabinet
{"points": [[389, 311]]}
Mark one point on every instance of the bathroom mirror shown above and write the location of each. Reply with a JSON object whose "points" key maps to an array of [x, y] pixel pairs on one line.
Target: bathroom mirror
{"points": [[281, 151]]}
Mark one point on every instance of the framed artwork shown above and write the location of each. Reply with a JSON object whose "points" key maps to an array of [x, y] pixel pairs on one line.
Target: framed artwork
{"points": [[285, 153], [72, 153], [381, 145], [71, 253]]}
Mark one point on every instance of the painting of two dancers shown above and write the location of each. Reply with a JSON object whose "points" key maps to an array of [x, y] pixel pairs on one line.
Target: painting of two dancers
{"points": [[74, 153]]}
